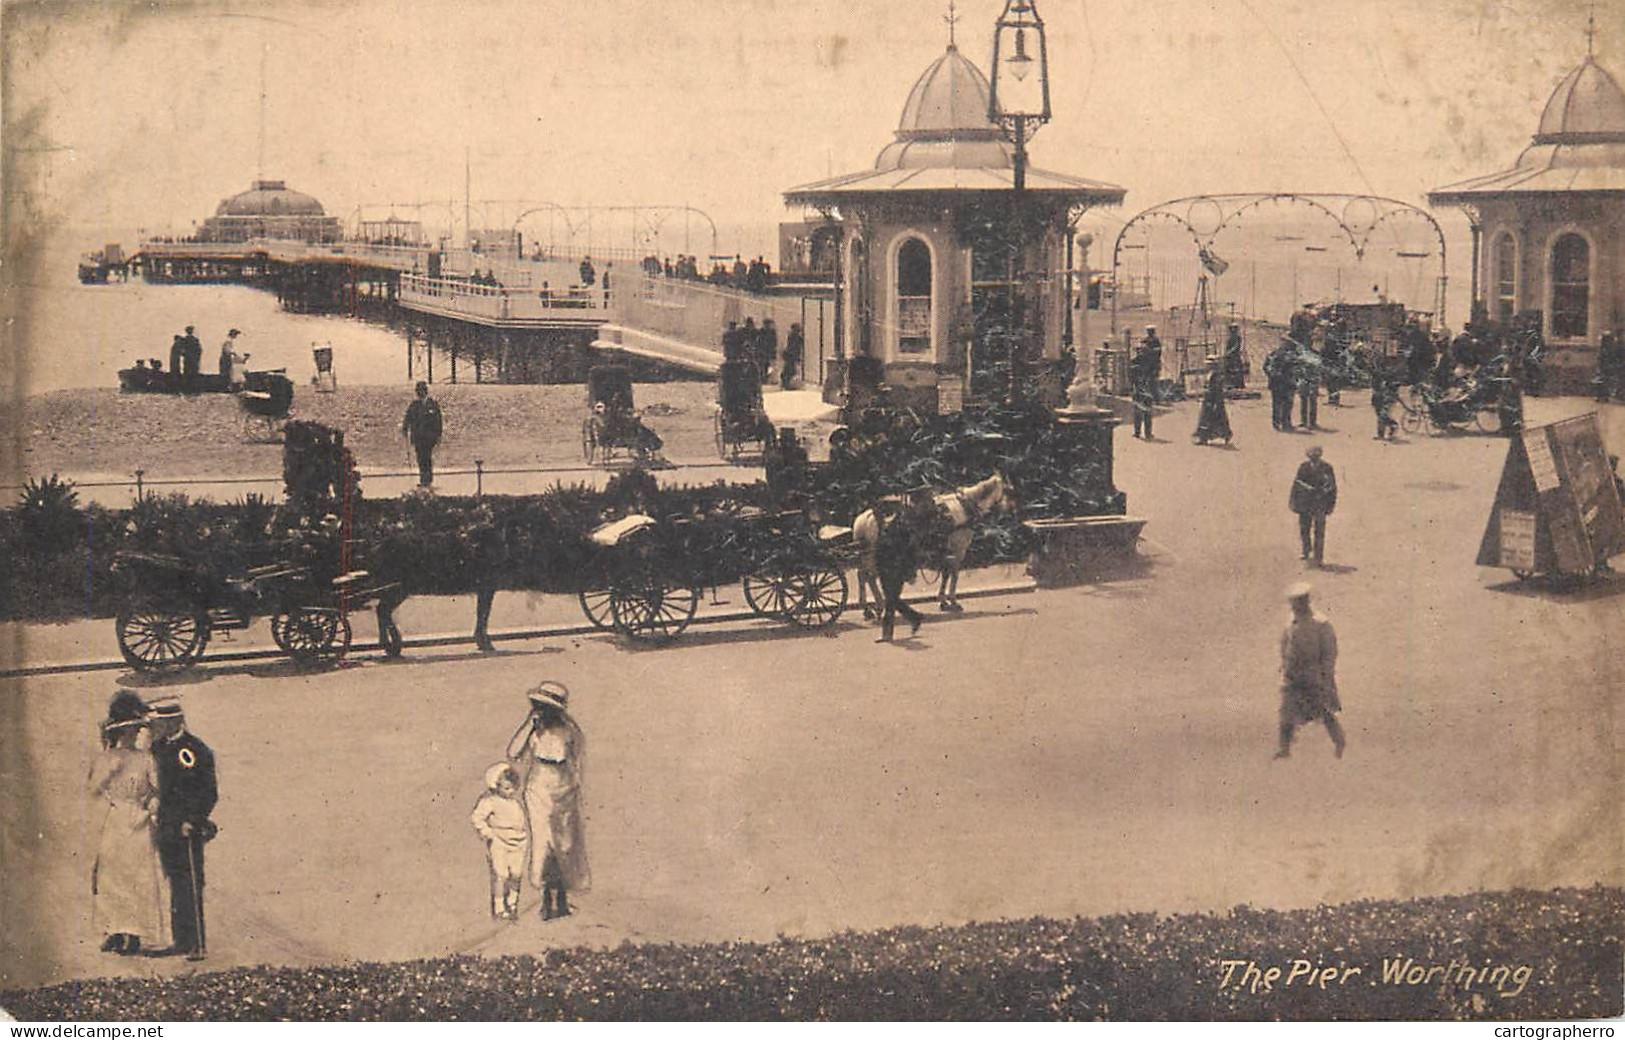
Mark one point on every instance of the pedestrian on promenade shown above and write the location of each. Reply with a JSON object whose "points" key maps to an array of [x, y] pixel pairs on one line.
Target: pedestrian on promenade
{"points": [[1278, 370], [1306, 370], [1383, 399], [488, 559], [423, 426], [186, 796], [1308, 674], [1235, 362], [897, 558], [795, 345], [177, 356], [499, 817], [549, 753], [1144, 370], [767, 347], [1213, 424], [588, 273], [1313, 497], [1610, 367], [127, 882]]}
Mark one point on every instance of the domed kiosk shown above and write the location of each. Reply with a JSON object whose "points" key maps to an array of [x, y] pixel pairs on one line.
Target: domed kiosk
{"points": [[1549, 233], [270, 209], [928, 267]]}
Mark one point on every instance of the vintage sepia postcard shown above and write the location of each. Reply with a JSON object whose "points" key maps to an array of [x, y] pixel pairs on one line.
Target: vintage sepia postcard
{"points": [[980, 510]]}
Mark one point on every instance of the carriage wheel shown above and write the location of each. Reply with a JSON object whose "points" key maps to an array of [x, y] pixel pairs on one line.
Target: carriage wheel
{"points": [[817, 596], [159, 637], [1413, 420], [595, 603], [589, 440], [653, 612], [1488, 421], [312, 633], [768, 594]]}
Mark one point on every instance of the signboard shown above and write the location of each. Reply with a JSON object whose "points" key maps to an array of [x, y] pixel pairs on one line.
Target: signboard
{"points": [[1559, 476], [1541, 462], [1518, 540]]}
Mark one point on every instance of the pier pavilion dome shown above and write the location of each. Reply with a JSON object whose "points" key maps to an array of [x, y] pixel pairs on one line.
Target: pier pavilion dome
{"points": [[927, 258], [1549, 233], [270, 209]]}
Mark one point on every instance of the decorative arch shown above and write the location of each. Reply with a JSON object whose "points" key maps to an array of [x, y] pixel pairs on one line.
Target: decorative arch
{"points": [[1356, 217]]}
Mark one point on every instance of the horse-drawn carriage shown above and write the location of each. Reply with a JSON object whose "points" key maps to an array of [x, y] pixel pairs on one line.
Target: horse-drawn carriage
{"points": [[174, 606], [741, 417], [650, 574], [613, 426]]}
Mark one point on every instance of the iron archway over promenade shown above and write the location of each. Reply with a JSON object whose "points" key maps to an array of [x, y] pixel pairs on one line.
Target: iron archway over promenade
{"points": [[1358, 217]]}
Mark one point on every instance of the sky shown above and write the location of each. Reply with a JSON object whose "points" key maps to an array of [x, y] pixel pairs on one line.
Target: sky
{"points": [[144, 115]]}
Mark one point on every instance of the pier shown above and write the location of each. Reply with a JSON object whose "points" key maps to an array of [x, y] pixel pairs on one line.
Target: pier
{"points": [[535, 325]]}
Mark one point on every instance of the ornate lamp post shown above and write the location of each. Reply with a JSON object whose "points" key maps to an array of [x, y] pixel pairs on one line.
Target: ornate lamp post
{"points": [[1018, 95], [1019, 90]]}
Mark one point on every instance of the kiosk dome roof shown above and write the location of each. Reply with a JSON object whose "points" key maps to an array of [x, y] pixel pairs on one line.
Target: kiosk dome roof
{"points": [[1586, 104]]}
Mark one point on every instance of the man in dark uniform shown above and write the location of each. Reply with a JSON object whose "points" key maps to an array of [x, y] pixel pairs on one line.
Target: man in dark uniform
{"points": [[1313, 497], [186, 797], [1306, 371], [1144, 371], [767, 347], [422, 426]]}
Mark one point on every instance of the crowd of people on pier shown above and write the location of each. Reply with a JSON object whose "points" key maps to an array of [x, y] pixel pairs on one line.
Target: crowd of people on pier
{"points": [[752, 276]]}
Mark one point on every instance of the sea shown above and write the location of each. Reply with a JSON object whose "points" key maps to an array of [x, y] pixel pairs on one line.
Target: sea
{"points": [[78, 336]]}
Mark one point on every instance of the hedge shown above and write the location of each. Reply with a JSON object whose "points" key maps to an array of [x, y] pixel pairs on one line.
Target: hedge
{"points": [[1125, 967], [63, 555]]}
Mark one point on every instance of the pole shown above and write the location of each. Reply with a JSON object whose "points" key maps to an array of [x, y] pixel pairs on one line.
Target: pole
{"points": [[202, 948]]}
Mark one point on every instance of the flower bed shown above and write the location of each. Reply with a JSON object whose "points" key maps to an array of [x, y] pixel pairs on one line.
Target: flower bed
{"points": [[1126, 967]]}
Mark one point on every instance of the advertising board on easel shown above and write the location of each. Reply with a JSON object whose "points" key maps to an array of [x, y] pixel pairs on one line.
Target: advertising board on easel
{"points": [[1557, 509]]}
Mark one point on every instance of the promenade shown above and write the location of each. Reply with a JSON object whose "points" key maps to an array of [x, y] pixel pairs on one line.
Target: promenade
{"points": [[753, 780]]}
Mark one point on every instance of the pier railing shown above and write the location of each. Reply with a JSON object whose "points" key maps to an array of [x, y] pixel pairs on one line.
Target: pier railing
{"points": [[697, 313], [455, 298]]}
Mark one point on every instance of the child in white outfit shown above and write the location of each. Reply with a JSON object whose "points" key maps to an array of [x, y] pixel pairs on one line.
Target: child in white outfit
{"points": [[499, 816]]}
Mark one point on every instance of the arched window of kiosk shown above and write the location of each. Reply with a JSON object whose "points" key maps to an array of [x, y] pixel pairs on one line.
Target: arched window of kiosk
{"points": [[914, 297], [1571, 286], [1506, 276]]}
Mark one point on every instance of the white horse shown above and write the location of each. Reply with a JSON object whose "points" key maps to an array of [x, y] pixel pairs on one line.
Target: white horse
{"points": [[964, 507]]}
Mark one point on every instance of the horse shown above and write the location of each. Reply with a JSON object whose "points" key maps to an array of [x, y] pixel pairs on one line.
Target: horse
{"points": [[963, 506]]}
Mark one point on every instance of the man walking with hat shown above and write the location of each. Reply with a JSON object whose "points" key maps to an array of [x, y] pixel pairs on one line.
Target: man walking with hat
{"points": [[423, 426], [1313, 497], [1308, 673], [186, 797], [1144, 370]]}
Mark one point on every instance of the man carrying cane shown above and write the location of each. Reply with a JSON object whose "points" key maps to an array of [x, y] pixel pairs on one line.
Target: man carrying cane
{"points": [[186, 797]]}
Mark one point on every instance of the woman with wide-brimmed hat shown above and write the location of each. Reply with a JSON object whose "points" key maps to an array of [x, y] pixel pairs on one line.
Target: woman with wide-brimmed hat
{"points": [[549, 751], [129, 896]]}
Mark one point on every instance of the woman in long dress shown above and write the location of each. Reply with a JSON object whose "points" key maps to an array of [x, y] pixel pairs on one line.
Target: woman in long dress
{"points": [[130, 897], [1214, 422], [549, 751]]}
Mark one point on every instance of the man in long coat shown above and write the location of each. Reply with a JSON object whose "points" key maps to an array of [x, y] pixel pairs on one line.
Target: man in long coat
{"points": [[1308, 674], [1313, 497]]}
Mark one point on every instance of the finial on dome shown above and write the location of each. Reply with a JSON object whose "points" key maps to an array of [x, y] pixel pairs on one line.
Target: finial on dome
{"points": [[1591, 28], [951, 18]]}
